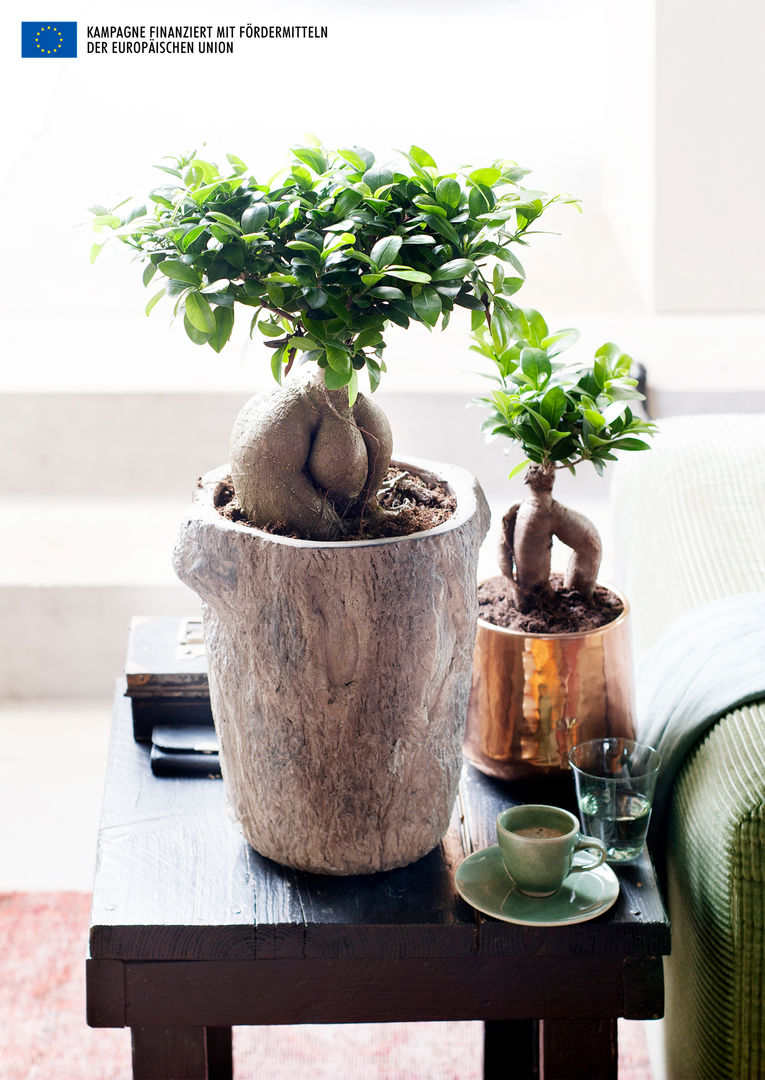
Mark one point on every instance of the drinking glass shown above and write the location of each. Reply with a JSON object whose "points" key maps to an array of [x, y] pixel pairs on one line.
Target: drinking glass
{"points": [[615, 781]]}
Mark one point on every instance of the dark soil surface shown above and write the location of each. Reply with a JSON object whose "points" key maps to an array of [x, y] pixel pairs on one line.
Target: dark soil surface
{"points": [[410, 505], [565, 612]]}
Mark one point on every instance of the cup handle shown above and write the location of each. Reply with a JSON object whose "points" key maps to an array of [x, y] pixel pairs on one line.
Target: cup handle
{"points": [[589, 843]]}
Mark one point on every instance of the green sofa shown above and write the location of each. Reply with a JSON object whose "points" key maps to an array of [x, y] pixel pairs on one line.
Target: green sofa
{"points": [[689, 528]]}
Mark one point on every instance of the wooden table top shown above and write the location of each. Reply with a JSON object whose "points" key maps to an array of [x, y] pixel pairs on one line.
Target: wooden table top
{"points": [[176, 881]]}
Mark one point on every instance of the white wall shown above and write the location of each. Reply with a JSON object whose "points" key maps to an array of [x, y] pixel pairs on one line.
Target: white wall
{"points": [[629, 77], [685, 127], [710, 155]]}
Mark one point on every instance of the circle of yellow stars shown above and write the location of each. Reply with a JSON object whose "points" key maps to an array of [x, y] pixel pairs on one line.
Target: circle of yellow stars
{"points": [[43, 30]]}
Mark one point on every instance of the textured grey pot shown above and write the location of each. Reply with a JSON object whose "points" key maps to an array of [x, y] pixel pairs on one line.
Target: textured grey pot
{"points": [[339, 679]]}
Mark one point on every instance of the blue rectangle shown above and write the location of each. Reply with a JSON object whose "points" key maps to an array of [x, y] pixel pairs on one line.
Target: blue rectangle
{"points": [[48, 39]]}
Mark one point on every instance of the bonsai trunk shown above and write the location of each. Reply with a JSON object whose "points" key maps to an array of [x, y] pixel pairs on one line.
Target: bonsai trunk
{"points": [[528, 529], [301, 456]]}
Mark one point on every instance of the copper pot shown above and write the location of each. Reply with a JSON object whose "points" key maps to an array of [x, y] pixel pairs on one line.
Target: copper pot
{"points": [[534, 696]]}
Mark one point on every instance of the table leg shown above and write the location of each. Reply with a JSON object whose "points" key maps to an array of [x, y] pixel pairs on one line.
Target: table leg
{"points": [[576, 1048], [192, 1053], [511, 1050]]}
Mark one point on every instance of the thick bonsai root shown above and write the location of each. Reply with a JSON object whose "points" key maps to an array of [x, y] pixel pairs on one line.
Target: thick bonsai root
{"points": [[525, 548], [301, 456]]}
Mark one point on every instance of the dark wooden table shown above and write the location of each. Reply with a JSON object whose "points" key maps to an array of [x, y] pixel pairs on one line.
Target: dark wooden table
{"points": [[193, 932]]}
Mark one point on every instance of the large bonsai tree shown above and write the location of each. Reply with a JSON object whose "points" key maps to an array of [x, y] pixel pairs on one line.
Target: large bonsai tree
{"points": [[562, 414], [325, 257]]}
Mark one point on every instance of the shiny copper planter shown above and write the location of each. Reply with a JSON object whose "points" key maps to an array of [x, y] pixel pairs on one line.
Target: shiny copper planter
{"points": [[534, 696]]}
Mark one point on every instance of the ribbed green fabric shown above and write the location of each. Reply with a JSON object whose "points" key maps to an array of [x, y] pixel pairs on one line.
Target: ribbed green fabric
{"points": [[715, 1025], [689, 527]]}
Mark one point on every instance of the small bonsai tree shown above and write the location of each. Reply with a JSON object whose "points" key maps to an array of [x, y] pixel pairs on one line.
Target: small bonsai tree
{"points": [[562, 414], [324, 258]]}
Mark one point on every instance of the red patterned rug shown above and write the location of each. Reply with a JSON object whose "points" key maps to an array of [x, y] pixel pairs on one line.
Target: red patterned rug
{"points": [[43, 1035]]}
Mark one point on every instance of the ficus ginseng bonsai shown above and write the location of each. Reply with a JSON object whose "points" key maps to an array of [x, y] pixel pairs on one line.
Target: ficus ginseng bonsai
{"points": [[325, 257], [562, 414]]}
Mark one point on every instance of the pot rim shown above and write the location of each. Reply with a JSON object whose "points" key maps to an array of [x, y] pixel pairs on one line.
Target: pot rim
{"points": [[571, 635], [462, 484]]}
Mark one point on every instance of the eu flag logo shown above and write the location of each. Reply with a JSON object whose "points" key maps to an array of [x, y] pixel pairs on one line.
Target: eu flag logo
{"points": [[48, 38]]}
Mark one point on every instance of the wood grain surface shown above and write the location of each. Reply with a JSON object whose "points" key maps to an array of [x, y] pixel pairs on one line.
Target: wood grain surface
{"points": [[339, 679], [193, 932], [176, 881]]}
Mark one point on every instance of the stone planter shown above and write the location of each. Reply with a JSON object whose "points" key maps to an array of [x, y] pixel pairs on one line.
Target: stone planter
{"points": [[535, 695], [339, 679]]}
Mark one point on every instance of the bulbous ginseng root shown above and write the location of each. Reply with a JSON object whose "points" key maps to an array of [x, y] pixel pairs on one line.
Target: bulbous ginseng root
{"points": [[301, 456], [525, 546]]}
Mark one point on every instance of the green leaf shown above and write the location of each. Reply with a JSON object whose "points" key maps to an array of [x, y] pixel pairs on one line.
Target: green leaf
{"points": [[339, 360], [237, 163], [443, 228], [332, 242], [468, 300], [199, 313], [609, 351], [535, 365], [270, 329], [553, 405], [154, 301], [376, 178], [373, 368], [355, 159], [316, 298], [277, 362], [311, 157], [385, 251], [594, 419], [180, 271], [353, 387], [537, 327], [629, 444], [477, 202], [148, 273], [224, 219], [485, 177], [224, 324], [218, 286], [403, 274], [255, 217], [455, 268], [427, 304], [507, 256], [335, 380], [518, 469], [511, 285], [422, 157], [448, 192], [347, 201], [191, 236], [199, 337], [387, 292], [500, 330], [556, 343]]}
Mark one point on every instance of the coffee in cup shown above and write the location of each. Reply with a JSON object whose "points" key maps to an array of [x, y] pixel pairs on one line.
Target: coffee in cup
{"points": [[538, 844]]}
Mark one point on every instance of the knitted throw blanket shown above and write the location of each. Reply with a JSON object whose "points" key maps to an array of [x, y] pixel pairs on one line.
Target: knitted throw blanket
{"points": [[707, 662]]}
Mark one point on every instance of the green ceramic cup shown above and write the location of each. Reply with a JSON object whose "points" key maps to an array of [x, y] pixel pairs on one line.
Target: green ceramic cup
{"points": [[538, 844]]}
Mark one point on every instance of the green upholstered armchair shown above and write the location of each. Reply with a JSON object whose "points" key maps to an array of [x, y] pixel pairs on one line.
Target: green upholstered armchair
{"points": [[689, 528]]}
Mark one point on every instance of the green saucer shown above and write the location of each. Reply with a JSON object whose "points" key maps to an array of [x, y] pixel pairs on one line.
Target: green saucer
{"points": [[483, 881]]}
